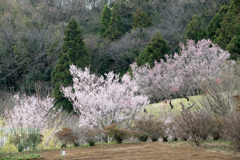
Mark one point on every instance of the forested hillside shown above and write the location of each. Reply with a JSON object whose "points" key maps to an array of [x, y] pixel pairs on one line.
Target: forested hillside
{"points": [[32, 32]]}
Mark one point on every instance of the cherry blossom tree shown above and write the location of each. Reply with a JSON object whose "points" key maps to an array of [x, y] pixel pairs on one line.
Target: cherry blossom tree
{"points": [[29, 111], [103, 101], [181, 74]]}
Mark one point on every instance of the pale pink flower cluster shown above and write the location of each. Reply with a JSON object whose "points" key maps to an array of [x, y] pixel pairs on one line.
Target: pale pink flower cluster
{"points": [[102, 101], [29, 111], [180, 75]]}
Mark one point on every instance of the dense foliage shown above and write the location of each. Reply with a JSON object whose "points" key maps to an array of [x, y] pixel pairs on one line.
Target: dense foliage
{"points": [[141, 19], [115, 26], [154, 51], [105, 19], [195, 31], [224, 29], [31, 34], [74, 52]]}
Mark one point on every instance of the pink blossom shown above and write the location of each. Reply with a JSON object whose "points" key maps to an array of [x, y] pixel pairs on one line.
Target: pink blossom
{"points": [[174, 89], [102, 102], [29, 111], [181, 74], [218, 80]]}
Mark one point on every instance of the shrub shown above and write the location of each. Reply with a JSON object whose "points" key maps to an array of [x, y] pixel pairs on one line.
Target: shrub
{"points": [[117, 134], [179, 128], [237, 100], [18, 141], [217, 94], [152, 128], [25, 140], [217, 129], [66, 136], [231, 127], [142, 137], [91, 135], [196, 123], [33, 140]]}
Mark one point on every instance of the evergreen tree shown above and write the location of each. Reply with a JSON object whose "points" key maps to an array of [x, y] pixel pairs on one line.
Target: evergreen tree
{"points": [[227, 35], [224, 28], [195, 30], [105, 19], [74, 52], [214, 25], [141, 19], [234, 47], [115, 27], [155, 51]]}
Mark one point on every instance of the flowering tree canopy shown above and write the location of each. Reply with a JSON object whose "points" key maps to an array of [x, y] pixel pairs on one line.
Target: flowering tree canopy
{"points": [[101, 102], [29, 111], [180, 75]]}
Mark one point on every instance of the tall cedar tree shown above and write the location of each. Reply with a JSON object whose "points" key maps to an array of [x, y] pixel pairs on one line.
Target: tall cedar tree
{"points": [[141, 19], [155, 51], [105, 19], [195, 30], [215, 23], [227, 36], [115, 27], [74, 52]]}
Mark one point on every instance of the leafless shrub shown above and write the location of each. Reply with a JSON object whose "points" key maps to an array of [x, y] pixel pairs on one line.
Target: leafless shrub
{"points": [[217, 95], [66, 136], [232, 128], [116, 133], [195, 123], [217, 130], [154, 129], [91, 135]]}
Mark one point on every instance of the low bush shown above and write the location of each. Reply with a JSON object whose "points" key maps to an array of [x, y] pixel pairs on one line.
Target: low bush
{"points": [[117, 134], [33, 140], [195, 123], [231, 127], [91, 135], [154, 129], [237, 100], [18, 142], [142, 137], [217, 129], [66, 137]]}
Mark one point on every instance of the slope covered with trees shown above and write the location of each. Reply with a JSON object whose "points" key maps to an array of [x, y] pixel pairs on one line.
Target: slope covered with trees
{"points": [[31, 34]]}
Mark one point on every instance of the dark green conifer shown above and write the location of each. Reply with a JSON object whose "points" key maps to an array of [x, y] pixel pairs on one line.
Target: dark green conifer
{"points": [[195, 30], [141, 19], [155, 51], [74, 52], [234, 47], [105, 19], [115, 27], [230, 26], [214, 25]]}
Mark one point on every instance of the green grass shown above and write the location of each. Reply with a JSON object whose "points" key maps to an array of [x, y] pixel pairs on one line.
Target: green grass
{"points": [[161, 109], [34, 156]]}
